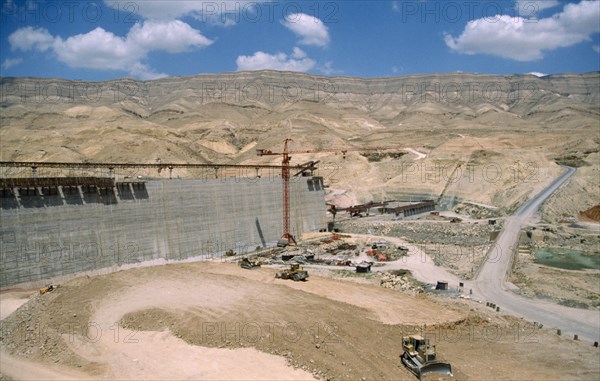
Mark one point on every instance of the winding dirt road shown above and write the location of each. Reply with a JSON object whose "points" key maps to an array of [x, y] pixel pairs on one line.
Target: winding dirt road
{"points": [[491, 283]]}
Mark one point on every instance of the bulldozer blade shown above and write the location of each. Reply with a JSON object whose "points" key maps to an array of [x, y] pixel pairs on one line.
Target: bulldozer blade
{"points": [[437, 368], [300, 276]]}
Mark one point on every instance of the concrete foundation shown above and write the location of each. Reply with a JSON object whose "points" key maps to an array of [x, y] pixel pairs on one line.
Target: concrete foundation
{"points": [[78, 229]]}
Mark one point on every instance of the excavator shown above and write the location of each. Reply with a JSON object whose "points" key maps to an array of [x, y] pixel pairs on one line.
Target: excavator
{"points": [[420, 358]]}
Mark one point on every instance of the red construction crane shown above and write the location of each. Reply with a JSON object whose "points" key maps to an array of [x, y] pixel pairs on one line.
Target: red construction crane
{"points": [[285, 175]]}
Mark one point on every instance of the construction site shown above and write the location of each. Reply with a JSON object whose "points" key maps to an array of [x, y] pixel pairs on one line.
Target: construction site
{"points": [[292, 259], [119, 288]]}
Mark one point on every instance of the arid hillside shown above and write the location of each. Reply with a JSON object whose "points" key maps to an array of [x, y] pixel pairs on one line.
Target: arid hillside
{"points": [[486, 139]]}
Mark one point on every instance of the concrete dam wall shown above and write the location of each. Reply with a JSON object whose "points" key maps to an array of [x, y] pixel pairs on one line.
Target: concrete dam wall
{"points": [[71, 230]]}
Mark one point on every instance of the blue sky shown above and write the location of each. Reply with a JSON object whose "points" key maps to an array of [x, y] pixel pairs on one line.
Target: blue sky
{"points": [[100, 40]]}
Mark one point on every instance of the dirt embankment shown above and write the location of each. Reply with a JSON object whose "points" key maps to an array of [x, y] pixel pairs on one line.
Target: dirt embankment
{"points": [[323, 327], [592, 214], [218, 321], [578, 197]]}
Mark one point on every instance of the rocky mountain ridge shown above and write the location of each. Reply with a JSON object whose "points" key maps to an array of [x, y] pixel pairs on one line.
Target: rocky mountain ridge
{"points": [[516, 125]]}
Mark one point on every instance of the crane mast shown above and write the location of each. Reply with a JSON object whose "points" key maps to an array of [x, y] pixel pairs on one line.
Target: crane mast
{"points": [[285, 176]]}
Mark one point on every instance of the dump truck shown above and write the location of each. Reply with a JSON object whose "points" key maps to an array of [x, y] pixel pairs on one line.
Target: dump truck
{"points": [[420, 358], [295, 272]]}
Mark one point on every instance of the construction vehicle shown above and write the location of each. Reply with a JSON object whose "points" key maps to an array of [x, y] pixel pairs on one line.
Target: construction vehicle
{"points": [[46, 289], [420, 358], [247, 264], [295, 272], [377, 254], [282, 242]]}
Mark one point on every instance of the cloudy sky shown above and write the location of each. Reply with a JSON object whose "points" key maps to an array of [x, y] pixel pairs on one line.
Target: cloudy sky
{"points": [[98, 40]]}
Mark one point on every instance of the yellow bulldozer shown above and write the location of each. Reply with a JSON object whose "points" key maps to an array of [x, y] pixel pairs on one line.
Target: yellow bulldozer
{"points": [[48, 288], [295, 272], [421, 359]]}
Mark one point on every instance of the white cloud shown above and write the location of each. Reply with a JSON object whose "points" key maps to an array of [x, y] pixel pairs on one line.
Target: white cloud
{"points": [[596, 48], [11, 62], [279, 61], [310, 29], [29, 38], [537, 74], [173, 36], [395, 6], [102, 50], [298, 53], [520, 39], [97, 49]]}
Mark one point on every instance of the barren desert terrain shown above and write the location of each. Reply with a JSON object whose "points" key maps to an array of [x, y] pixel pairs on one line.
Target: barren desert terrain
{"points": [[478, 155]]}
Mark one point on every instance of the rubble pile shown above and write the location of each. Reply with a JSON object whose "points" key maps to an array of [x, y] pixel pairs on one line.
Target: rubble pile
{"points": [[476, 211], [561, 236], [398, 280], [426, 232]]}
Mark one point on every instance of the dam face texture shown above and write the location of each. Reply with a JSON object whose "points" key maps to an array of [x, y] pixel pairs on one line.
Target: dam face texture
{"points": [[68, 230]]}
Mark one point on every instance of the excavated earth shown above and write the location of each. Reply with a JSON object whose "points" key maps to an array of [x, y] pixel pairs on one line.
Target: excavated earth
{"points": [[218, 321]]}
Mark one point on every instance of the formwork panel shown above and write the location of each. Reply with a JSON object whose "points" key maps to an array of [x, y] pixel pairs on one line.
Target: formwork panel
{"points": [[172, 220]]}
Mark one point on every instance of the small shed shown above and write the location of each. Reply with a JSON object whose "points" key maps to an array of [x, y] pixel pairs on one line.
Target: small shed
{"points": [[441, 285], [364, 267]]}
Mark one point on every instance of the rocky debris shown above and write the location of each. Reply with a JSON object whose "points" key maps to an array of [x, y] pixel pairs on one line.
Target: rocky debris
{"points": [[426, 232], [37, 331], [579, 193], [42, 328], [569, 237], [458, 247], [475, 211], [345, 246], [399, 280]]}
